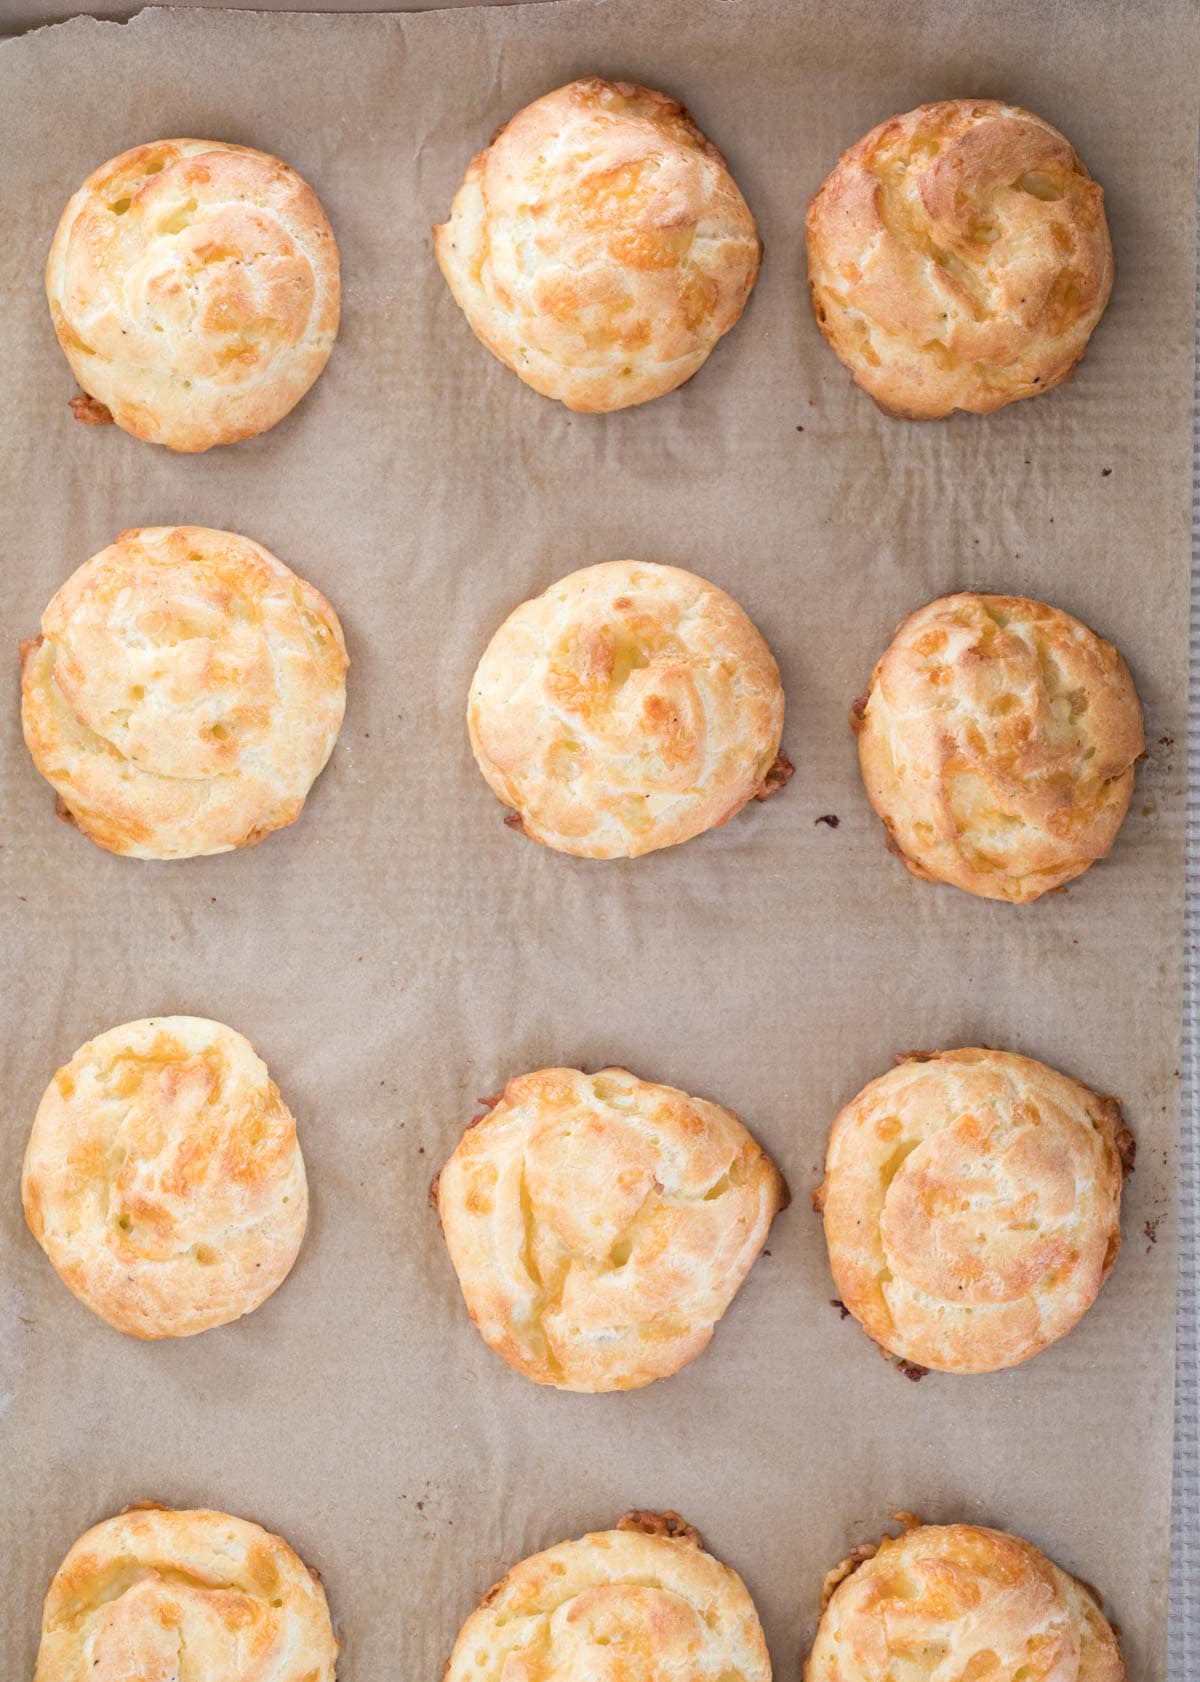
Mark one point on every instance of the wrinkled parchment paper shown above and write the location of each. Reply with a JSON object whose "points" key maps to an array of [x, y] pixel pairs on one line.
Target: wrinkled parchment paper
{"points": [[399, 951]]}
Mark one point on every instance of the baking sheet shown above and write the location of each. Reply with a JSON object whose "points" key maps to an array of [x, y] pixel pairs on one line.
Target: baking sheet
{"points": [[1184, 1623], [399, 951], [17, 15]]}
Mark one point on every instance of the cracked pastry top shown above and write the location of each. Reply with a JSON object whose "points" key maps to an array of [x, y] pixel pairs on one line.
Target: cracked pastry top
{"points": [[630, 707], [959, 258], [185, 693], [643, 1600], [972, 1204], [599, 246], [600, 1225], [997, 742], [194, 289], [959, 1601], [163, 1594], [164, 1179]]}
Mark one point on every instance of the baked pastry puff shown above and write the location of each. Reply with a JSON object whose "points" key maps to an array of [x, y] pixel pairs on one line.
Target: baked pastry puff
{"points": [[601, 1225], [164, 1179], [643, 1600], [963, 1602], [959, 258], [997, 742], [972, 1204], [164, 1595], [630, 707], [185, 693], [194, 288], [599, 246]]}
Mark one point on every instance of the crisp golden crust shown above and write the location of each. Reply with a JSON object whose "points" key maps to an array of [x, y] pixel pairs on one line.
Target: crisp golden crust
{"points": [[162, 1595], [194, 290], [185, 692], [601, 1225], [959, 1603], [599, 246], [997, 742], [630, 707], [959, 258], [643, 1601], [164, 1179], [972, 1204]]}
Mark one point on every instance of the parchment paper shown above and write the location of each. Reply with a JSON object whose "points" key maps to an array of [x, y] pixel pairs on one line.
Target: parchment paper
{"points": [[399, 951]]}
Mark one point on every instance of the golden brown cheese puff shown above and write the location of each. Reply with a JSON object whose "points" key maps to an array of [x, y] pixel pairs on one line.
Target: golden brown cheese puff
{"points": [[972, 1205], [194, 288], [959, 258], [601, 1225], [599, 246], [163, 1595], [642, 1601], [997, 742], [185, 693], [164, 1179], [630, 707], [959, 1602]]}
